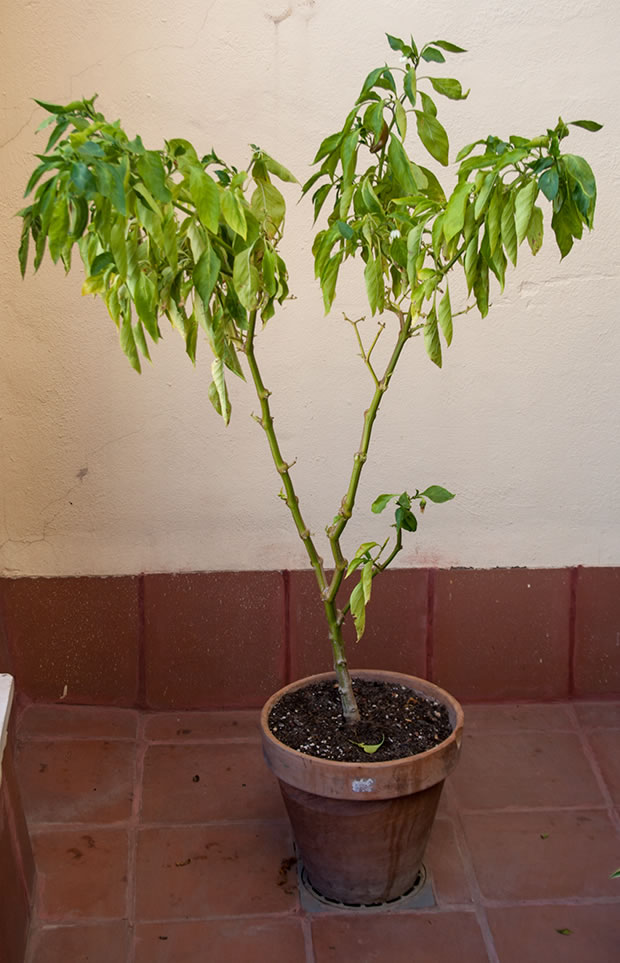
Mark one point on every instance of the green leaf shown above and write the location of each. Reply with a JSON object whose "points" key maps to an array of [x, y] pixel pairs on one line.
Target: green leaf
{"points": [[413, 249], [152, 172], [58, 229], [233, 213], [549, 182], [524, 205], [118, 246], [278, 169], [329, 278], [433, 136], [535, 230], [437, 494], [449, 88], [370, 749], [319, 198], [494, 219], [580, 171], [128, 343], [428, 104], [431, 54], [444, 315], [615, 874], [373, 276], [454, 217], [431, 339], [450, 47], [591, 125], [399, 162], [217, 373], [110, 180], [345, 229], [145, 299], [406, 520], [509, 231], [401, 119], [561, 225], [206, 274], [245, 279], [101, 262], [471, 263], [380, 503], [481, 288], [205, 195], [366, 580], [371, 200], [358, 609], [565, 932], [269, 207], [138, 333], [82, 178], [410, 85]]}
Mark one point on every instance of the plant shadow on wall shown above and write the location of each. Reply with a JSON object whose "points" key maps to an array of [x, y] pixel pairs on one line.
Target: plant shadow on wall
{"points": [[171, 233]]}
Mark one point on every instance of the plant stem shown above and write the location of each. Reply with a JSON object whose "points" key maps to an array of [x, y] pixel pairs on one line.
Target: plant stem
{"points": [[346, 507], [349, 705]]}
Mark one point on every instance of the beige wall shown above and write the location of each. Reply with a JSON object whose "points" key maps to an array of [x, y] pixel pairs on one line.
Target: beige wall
{"points": [[103, 471]]}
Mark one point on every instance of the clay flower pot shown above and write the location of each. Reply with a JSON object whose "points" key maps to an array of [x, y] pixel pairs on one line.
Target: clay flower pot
{"points": [[361, 828]]}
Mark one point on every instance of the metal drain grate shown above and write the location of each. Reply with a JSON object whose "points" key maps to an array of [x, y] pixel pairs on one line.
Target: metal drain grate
{"points": [[420, 896]]}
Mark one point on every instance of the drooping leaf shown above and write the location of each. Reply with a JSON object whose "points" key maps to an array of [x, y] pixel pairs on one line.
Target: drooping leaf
{"points": [[535, 230], [110, 180], [101, 262], [58, 229], [580, 171], [454, 216], [269, 207], [399, 162], [444, 316], [275, 167], [206, 274], [431, 54], [410, 86], [366, 580], [329, 278], [431, 339], [481, 288], [401, 119], [128, 343], [206, 197], [217, 373], [413, 249], [245, 279], [233, 213], [524, 205], [373, 276], [508, 229], [433, 136], [549, 182], [358, 610], [450, 47], [145, 299], [151, 169]]}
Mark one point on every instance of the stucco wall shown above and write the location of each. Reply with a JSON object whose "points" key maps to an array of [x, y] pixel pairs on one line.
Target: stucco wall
{"points": [[106, 472]]}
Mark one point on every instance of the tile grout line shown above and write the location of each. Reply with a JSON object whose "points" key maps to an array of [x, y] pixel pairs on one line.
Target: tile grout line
{"points": [[590, 755], [572, 628], [132, 835], [141, 667], [306, 929], [430, 624], [472, 880]]}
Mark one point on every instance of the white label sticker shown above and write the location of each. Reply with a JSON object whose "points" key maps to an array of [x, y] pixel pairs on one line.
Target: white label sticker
{"points": [[363, 785]]}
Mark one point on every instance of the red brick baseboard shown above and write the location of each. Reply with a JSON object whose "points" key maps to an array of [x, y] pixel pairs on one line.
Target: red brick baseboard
{"points": [[228, 639]]}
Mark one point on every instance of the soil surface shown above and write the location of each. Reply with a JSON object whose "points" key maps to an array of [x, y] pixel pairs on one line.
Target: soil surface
{"points": [[402, 721]]}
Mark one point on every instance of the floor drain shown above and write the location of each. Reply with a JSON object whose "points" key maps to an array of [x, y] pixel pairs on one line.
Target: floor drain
{"points": [[420, 896]]}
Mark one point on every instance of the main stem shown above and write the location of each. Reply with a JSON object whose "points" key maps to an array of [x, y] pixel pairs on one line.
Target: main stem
{"points": [[350, 709]]}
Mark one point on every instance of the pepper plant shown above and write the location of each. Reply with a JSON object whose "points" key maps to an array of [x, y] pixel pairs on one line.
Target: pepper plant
{"points": [[171, 233]]}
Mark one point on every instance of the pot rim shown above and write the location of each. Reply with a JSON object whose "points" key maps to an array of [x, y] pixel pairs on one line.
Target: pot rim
{"points": [[285, 761]]}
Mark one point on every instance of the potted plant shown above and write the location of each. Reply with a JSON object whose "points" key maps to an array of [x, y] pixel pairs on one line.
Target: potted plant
{"points": [[172, 233]]}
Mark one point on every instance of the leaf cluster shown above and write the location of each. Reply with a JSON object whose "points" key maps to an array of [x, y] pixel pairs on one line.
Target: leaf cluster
{"points": [[161, 233]]}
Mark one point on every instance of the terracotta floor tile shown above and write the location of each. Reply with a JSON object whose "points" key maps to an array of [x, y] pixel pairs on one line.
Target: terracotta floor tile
{"points": [[605, 745], [445, 865], [529, 934], [76, 781], [202, 726], [517, 717], [598, 715], [543, 855], [201, 871], [93, 943], [401, 938], [238, 941], [77, 722], [524, 769], [82, 873], [200, 783]]}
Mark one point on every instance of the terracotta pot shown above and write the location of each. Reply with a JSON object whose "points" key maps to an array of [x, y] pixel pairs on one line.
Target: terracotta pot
{"points": [[361, 828]]}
